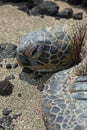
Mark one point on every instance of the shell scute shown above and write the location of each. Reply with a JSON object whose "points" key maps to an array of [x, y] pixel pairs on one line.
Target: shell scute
{"points": [[44, 54], [46, 48], [60, 53], [53, 50], [43, 60], [47, 41], [53, 57], [54, 62]]}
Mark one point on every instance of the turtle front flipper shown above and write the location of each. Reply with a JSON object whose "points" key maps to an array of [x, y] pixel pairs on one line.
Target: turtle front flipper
{"points": [[64, 102]]}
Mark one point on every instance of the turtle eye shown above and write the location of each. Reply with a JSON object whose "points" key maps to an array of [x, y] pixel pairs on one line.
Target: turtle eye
{"points": [[34, 51], [37, 51]]}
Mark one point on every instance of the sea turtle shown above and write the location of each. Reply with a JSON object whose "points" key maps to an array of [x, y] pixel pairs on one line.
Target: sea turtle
{"points": [[64, 103]]}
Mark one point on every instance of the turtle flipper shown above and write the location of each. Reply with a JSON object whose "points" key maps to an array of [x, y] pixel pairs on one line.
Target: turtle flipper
{"points": [[65, 102]]}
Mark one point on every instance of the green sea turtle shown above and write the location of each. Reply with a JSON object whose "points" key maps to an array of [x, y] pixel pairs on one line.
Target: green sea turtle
{"points": [[64, 102]]}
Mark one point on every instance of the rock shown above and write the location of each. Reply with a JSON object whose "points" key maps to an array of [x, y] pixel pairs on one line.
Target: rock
{"points": [[33, 3], [66, 13], [14, 1], [15, 65], [74, 2], [6, 88], [10, 77], [84, 3], [42, 16], [40, 88], [78, 16], [19, 95], [45, 8], [6, 112], [1, 65], [6, 121], [7, 50], [8, 66]]}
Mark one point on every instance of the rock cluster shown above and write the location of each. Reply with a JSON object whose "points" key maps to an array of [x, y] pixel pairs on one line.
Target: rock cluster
{"points": [[78, 2], [46, 8], [51, 9], [6, 121]]}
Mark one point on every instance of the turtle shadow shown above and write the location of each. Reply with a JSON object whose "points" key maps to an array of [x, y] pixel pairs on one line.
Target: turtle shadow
{"points": [[34, 79]]}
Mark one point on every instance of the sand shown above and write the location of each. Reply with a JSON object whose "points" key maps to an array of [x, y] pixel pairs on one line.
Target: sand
{"points": [[13, 24]]}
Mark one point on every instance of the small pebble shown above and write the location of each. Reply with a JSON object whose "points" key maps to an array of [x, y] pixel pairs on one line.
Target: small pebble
{"points": [[10, 77], [78, 16], [19, 95], [8, 66], [1, 120], [6, 112], [15, 65], [42, 16], [57, 18], [1, 65], [40, 88]]}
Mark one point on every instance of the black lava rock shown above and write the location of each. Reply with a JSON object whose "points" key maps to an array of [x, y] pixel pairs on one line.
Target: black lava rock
{"points": [[40, 88], [6, 112], [8, 66], [1, 65], [6, 121], [6, 88], [7, 50], [45, 8], [42, 16], [10, 77], [66, 13], [33, 3], [84, 3], [78, 16], [75, 2], [19, 95], [1, 120], [15, 65], [14, 1]]}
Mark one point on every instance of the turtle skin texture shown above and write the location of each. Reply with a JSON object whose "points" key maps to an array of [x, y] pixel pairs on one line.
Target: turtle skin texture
{"points": [[51, 49]]}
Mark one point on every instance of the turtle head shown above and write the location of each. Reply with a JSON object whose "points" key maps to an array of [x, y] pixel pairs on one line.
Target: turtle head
{"points": [[28, 54]]}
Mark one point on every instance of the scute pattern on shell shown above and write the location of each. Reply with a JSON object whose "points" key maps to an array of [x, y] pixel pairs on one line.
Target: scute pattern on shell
{"points": [[64, 103]]}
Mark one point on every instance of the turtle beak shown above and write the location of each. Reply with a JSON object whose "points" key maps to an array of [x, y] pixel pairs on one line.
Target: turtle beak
{"points": [[22, 60]]}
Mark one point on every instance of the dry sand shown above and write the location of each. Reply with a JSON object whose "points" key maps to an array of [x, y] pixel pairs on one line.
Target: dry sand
{"points": [[13, 24]]}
